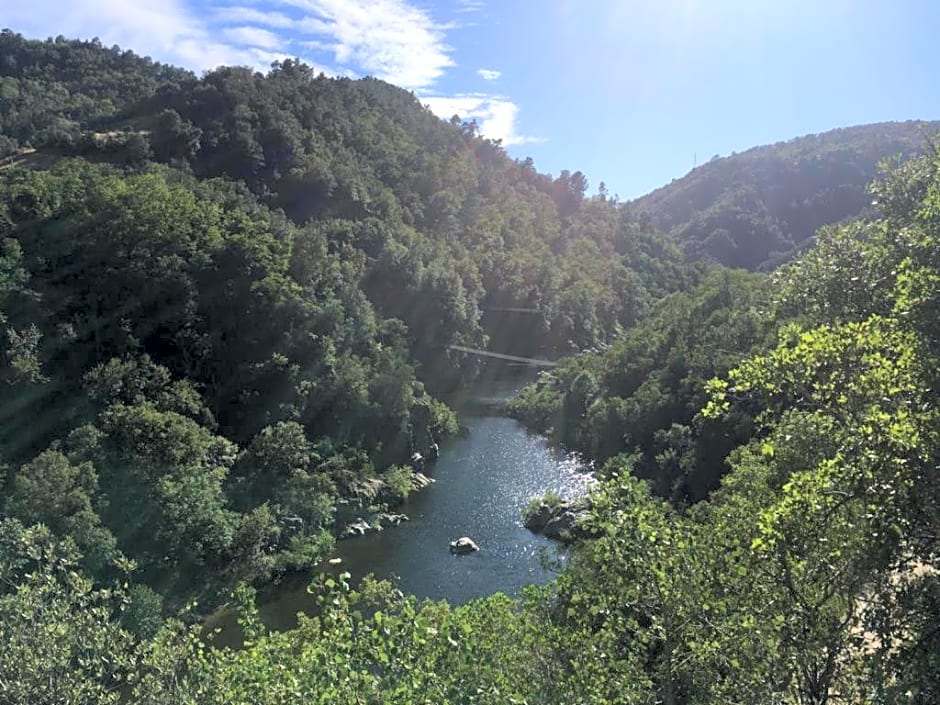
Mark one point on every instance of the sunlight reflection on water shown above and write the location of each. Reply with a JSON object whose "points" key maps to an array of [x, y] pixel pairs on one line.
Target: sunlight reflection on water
{"points": [[483, 483]]}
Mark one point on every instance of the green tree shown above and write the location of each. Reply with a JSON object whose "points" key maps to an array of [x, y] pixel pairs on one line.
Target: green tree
{"points": [[60, 641], [62, 495]]}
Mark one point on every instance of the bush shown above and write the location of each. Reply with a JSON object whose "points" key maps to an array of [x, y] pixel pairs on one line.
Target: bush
{"points": [[398, 479]]}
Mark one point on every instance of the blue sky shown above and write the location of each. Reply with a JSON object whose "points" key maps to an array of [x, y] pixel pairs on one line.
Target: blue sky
{"points": [[628, 92]]}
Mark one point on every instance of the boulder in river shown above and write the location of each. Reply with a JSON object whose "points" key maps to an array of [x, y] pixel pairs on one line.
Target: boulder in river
{"points": [[537, 519], [360, 527], [561, 521], [463, 545]]}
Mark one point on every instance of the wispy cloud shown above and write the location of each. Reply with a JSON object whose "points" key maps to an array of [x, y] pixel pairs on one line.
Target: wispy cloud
{"points": [[390, 39], [470, 5], [253, 37], [489, 74], [250, 15], [495, 115]]}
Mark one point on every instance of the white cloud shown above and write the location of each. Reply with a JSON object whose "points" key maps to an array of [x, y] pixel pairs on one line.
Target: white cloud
{"points": [[390, 39], [495, 115], [489, 74], [253, 36]]}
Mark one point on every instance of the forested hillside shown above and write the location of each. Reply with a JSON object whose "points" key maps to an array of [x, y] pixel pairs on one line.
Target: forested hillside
{"points": [[809, 576], [184, 369], [444, 224], [225, 299], [225, 308], [757, 208]]}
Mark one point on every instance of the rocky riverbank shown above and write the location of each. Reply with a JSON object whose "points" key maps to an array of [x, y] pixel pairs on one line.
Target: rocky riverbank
{"points": [[365, 509]]}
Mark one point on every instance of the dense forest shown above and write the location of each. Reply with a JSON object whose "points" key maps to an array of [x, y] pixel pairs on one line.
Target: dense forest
{"points": [[430, 212], [757, 208], [226, 306]]}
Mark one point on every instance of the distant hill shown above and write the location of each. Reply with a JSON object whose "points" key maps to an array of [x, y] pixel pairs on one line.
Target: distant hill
{"points": [[756, 208]]}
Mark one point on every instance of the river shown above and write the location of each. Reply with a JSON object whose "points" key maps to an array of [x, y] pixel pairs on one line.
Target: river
{"points": [[483, 481]]}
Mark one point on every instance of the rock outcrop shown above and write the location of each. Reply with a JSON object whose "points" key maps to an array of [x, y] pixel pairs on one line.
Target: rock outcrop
{"points": [[376, 490], [537, 519], [375, 523], [419, 481], [463, 545], [563, 527], [562, 521], [360, 527]]}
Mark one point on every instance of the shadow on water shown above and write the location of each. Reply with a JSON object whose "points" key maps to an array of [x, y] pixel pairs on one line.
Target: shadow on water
{"points": [[483, 481]]}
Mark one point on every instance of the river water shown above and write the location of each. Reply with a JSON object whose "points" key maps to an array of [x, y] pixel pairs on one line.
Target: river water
{"points": [[483, 481]]}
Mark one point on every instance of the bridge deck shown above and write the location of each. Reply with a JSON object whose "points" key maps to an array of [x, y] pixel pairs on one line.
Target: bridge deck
{"points": [[535, 362]]}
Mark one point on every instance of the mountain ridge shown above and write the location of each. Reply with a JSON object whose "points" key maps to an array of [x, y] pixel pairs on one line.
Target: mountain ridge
{"points": [[754, 209]]}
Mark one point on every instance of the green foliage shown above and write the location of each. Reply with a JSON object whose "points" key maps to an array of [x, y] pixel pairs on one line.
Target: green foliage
{"points": [[809, 574], [60, 643], [143, 614], [156, 324], [50, 89], [54, 491], [849, 413], [447, 233], [398, 480], [22, 355], [211, 349], [374, 645], [140, 381], [642, 393]]}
